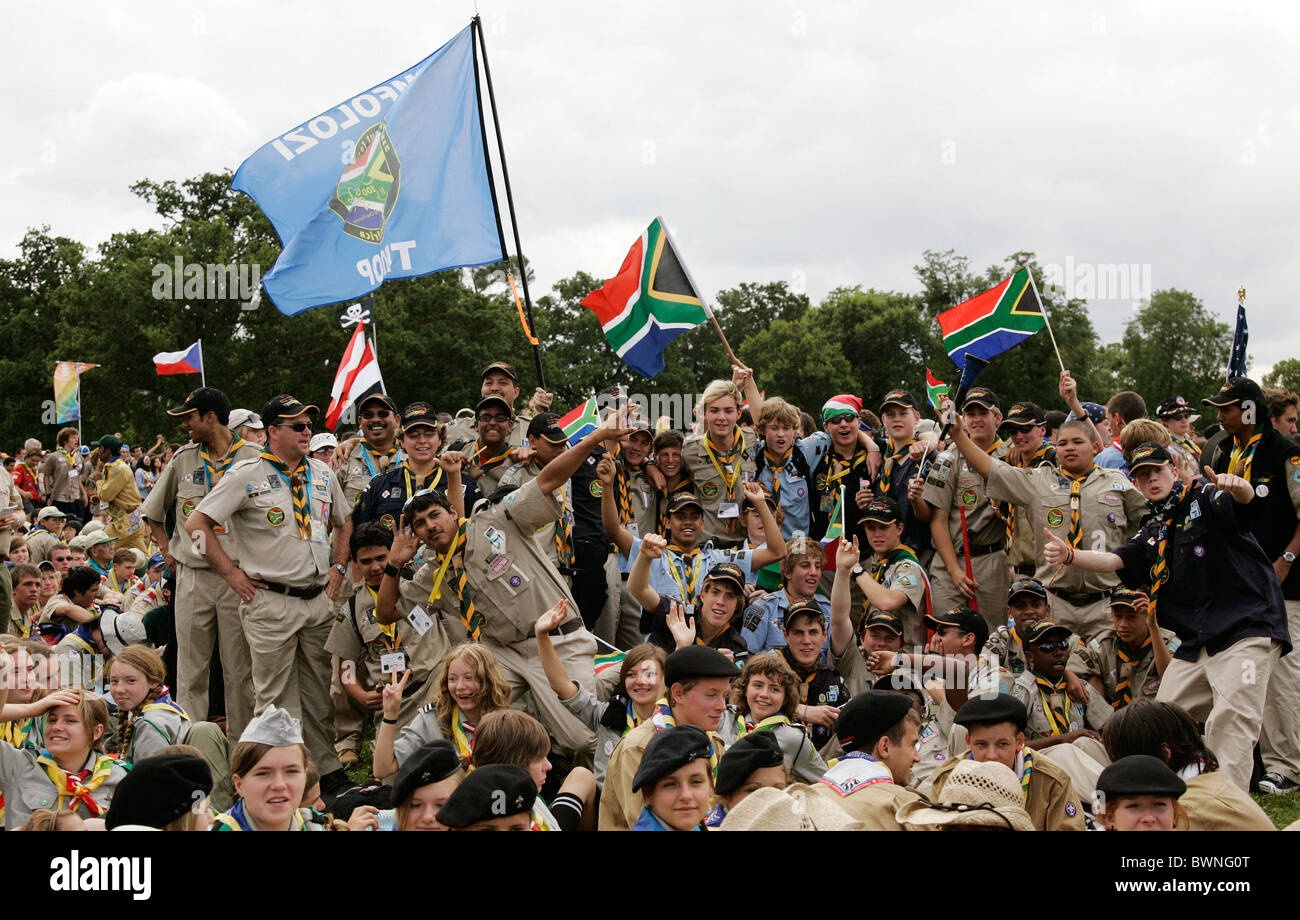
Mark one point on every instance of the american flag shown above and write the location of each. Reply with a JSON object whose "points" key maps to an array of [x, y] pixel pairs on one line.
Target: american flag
{"points": [[1237, 363]]}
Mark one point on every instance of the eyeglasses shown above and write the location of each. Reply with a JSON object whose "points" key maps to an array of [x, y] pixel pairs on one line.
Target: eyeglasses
{"points": [[499, 419], [376, 413], [1049, 647], [297, 426]]}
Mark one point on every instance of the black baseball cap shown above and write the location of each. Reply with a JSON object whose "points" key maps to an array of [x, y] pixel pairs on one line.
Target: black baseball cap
{"points": [[1043, 629], [1125, 597], [981, 396], [1237, 390], [419, 413], [682, 500], [205, 399], [992, 710], [1148, 454], [884, 509], [380, 397], [284, 406], [1026, 585], [1025, 415], [546, 427], [886, 619], [730, 572], [803, 609], [487, 401], [867, 716], [965, 619], [898, 398], [503, 367]]}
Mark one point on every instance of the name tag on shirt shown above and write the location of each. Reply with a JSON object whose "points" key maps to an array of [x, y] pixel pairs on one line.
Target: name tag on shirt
{"points": [[318, 534], [392, 663], [728, 510], [419, 620]]}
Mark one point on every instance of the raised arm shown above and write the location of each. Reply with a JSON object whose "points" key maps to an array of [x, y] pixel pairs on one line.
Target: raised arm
{"points": [[638, 579], [981, 462], [622, 537], [1058, 552], [556, 676], [846, 557], [774, 543]]}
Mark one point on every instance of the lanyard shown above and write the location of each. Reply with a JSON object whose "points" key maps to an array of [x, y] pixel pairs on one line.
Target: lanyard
{"points": [[733, 464], [455, 547], [687, 588], [410, 490]]}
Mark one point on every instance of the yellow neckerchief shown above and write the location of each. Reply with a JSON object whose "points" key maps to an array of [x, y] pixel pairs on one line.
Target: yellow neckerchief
{"points": [[1187, 444], [1129, 658], [899, 553], [886, 485], [1058, 719], [731, 458], [392, 639], [107, 468], [840, 467], [76, 788], [1076, 493], [16, 732], [23, 622], [214, 473], [1164, 528], [1244, 454], [299, 483], [69, 458], [805, 677], [436, 473], [77, 640], [462, 732], [693, 565], [744, 726], [563, 530], [1025, 463]]}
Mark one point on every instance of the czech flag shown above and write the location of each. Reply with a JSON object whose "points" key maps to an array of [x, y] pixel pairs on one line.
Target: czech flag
{"points": [[189, 361]]}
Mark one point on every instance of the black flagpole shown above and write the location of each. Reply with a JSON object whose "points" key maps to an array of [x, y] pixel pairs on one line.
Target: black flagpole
{"points": [[510, 203]]}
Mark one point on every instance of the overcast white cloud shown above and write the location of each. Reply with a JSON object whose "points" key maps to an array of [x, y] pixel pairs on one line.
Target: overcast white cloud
{"points": [[826, 144]]}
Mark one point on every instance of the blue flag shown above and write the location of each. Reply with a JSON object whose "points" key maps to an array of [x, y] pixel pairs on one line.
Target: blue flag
{"points": [[1237, 363], [392, 183]]}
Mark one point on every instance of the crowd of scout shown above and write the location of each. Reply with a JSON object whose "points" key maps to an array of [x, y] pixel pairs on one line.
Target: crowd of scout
{"points": [[1015, 620]]}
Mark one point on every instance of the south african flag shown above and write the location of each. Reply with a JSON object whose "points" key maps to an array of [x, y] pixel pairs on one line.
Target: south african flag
{"points": [[650, 302], [935, 389], [995, 321]]}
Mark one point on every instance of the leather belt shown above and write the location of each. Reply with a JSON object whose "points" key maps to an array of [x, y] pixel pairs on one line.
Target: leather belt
{"points": [[990, 548], [305, 594], [565, 628], [1078, 598]]}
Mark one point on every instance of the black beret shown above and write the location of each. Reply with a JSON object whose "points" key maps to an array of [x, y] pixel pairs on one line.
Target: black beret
{"points": [[752, 752], [431, 763], [158, 790], [669, 749], [990, 710], [696, 661], [1139, 774], [495, 790], [867, 716]]}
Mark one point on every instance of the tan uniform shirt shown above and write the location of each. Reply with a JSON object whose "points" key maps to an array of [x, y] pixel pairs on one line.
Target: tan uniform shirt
{"points": [[523, 473], [356, 636], [1109, 512], [906, 576], [1101, 660], [1051, 803], [257, 501], [180, 488], [487, 479], [362, 467], [953, 485], [1214, 803], [875, 805], [1002, 660], [10, 497], [41, 542], [619, 805], [63, 477], [117, 489], [712, 491], [511, 578], [1094, 714]]}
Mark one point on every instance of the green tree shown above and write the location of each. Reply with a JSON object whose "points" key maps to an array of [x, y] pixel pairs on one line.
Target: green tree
{"points": [[800, 360], [1285, 375], [1175, 347]]}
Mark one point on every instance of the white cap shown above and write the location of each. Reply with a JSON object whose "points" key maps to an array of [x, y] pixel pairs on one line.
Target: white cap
{"points": [[274, 727], [321, 441], [120, 629], [240, 418], [31, 443]]}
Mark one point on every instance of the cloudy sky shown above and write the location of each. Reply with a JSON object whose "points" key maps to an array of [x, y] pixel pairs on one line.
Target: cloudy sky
{"points": [[826, 144]]}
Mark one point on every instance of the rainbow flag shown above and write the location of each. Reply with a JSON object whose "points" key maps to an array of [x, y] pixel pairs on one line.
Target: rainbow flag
{"points": [[608, 660], [935, 389], [67, 390], [580, 422]]}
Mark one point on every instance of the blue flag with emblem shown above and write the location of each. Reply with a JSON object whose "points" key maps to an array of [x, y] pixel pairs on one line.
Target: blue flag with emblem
{"points": [[392, 183]]}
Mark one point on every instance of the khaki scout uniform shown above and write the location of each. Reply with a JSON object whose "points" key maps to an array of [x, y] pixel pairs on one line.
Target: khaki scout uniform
{"points": [[1003, 660], [874, 805], [488, 479], [207, 609], [1082, 759], [1214, 803], [1102, 661], [712, 491], [906, 576], [1052, 802], [357, 637], [951, 486], [64, 477], [28, 787], [126, 521], [523, 473], [286, 635], [619, 805], [40, 543], [1021, 551], [1109, 512], [362, 467], [512, 582]]}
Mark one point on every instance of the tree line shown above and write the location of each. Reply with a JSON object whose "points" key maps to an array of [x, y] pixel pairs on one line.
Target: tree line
{"points": [[59, 301]]}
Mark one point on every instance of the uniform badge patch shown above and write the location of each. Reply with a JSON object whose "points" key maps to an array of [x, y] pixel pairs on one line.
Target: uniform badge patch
{"points": [[1198, 552], [907, 581], [799, 492], [275, 516], [968, 497], [387, 521], [515, 581], [499, 564], [1055, 518], [708, 490], [187, 507], [1261, 490], [1110, 516], [1071, 809], [597, 488]]}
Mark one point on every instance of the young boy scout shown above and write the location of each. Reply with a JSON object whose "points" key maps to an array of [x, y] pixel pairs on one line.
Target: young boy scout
{"points": [[893, 580], [1214, 587], [822, 690], [719, 459], [801, 572], [494, 576], [955, 487], [878, 729], [906, 451], [698, 680], [785, 463], [1086, 505], [1025, 426], [280, 507], [207, 608], [43, 537], [995, 730], [1125, 663], [489, 452], [1003, 658]]}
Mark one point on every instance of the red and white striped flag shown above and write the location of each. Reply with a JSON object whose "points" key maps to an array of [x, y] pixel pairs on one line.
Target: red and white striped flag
{"points": [[357, 378]]}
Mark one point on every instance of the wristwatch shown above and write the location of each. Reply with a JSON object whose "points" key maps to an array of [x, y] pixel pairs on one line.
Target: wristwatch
{"points": [[857, 570], [340, 568], [1288, 557]]}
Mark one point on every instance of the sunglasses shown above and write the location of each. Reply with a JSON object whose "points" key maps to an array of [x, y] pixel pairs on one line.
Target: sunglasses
{"points": [[297, 426], [1049, 647], [499, 419], [376, 413]]}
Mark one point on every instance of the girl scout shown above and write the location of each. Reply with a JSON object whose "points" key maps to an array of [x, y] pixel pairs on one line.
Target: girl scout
{"points": [[765, 698], [269, 768], [675, 780], [147, 718]]}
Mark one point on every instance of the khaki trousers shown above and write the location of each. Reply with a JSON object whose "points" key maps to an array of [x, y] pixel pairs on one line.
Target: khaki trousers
{"points": [[992, 575], [1084, 760], [1086, 622], [1227, 691], [349, 721], [291, 669], [1279, 742], [207, 612], [523, 669]]}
